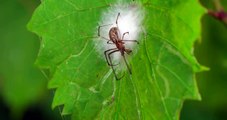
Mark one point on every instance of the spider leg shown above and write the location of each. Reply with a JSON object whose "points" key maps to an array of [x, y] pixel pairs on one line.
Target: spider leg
{"points": [[99, 31], [129, 69], [117, 18], [112, 66], [131, 41], [118, 15], [108, 42], [124, 35], [105, 53]]}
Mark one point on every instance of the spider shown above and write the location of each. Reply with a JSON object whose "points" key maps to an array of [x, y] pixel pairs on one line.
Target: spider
{"points": [[115, 38]]}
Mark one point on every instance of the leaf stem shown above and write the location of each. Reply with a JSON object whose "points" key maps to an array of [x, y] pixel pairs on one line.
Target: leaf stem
{"points": [[219, 14]]}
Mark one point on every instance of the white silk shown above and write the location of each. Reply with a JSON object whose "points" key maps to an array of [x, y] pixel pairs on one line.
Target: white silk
{"points": [[130, 20]]}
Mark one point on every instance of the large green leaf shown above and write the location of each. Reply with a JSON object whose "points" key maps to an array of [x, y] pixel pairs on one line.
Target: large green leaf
{"points": [[163, 68]]}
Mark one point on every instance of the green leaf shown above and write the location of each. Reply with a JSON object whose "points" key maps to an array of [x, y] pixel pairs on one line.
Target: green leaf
{"points": [[212, 84], [21, 84], [162, 70], [215, 44]]}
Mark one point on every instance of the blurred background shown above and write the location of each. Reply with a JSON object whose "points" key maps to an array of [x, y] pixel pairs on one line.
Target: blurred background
{"points": [[23, 87], [210, 51]]}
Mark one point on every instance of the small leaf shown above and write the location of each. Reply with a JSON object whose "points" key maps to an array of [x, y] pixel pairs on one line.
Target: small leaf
{"points": [[162, 70]]}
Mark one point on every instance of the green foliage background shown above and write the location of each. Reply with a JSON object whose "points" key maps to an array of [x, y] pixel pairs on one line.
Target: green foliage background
{"points": [[211, 51], [22, 85]]}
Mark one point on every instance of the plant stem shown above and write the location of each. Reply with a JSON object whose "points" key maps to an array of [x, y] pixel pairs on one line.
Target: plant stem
{"points": [[219, 13]]}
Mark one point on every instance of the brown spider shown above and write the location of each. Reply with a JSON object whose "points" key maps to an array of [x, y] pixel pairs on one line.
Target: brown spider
{"points": [[114, 38]]}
